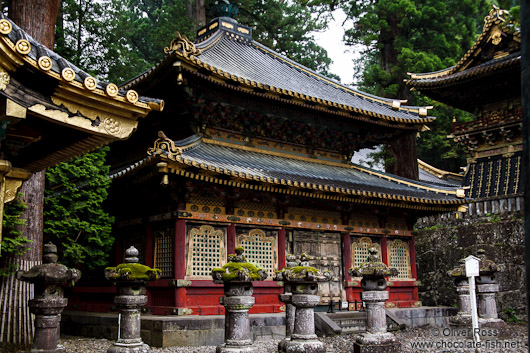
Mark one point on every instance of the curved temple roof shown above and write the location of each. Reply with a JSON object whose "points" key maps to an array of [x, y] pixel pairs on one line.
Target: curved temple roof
{"points": [[275, 171], [227, 52]]}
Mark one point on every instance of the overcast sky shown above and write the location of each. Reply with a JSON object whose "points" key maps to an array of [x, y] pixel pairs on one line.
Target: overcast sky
{"points": [[342, 56]]}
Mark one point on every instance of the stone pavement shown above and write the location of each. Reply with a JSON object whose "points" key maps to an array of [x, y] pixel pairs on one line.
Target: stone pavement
{"points": [[413, 341]]}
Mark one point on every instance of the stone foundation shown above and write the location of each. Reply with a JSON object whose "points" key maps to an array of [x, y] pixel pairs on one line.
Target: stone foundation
{"points": [[168, 331]]}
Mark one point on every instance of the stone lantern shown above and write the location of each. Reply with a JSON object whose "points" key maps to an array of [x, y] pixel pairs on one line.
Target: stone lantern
{"points": [[286, 298], [303, 282], [131, 279], [486, 288], [463, 317], [48, 303], [373, 283], [237, 276]]}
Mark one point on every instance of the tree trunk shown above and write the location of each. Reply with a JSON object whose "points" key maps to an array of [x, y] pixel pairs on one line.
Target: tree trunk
{"points": [[196, 11], [37, 18], [404, 152]]}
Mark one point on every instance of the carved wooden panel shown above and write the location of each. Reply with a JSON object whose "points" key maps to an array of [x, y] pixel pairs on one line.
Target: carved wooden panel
{"points": [[325, 251]]}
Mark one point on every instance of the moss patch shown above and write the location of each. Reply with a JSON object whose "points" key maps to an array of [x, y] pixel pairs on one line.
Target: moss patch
{"points": [[134, 272], [309, 269], [230, 271]]}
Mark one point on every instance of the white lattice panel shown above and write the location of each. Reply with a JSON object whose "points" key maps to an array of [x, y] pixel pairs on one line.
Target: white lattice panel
{"points": [[206, 251], [360, 250], [260, 249], [398, 252]]}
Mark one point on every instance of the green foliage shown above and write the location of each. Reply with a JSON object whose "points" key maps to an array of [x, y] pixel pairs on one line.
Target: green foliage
{"points": [[415, 36], [117, 39], [512, 316], [14, 243], [493, 218], [137, 32], [74, 218], [77, 23]]}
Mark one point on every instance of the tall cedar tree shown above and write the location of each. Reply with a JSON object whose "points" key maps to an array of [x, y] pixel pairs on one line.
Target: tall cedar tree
{"points": [[117, 40], [416, 36], [73, 212]]}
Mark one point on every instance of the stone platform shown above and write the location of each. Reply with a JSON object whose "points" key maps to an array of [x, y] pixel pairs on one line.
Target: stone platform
{"points": [[168, 331]]}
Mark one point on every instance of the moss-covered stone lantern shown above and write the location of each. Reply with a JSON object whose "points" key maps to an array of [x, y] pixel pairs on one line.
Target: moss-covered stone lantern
{"points": [[376, 339], [237, 276], [131, 279], [48, 303], [303, 282]]}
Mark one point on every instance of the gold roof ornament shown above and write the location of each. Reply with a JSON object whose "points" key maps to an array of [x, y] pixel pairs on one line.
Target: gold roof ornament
{"points": [[182, 44]]}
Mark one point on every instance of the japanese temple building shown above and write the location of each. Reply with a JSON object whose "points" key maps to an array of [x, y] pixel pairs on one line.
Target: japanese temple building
{"points": [[253, 149], [487, 83]]}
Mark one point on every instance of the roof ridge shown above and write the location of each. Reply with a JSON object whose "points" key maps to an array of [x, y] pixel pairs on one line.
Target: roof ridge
{"points": [[393, 103]]}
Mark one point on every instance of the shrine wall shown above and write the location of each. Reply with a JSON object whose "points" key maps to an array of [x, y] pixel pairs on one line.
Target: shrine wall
{"points": [[442, 241]]}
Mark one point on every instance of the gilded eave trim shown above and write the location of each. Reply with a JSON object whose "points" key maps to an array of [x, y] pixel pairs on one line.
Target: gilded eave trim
{"points": [[79, 97], [437, 172], [360, 197]]}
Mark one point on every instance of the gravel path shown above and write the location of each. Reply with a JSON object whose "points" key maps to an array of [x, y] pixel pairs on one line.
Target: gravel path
{"points": [[412, 340]]}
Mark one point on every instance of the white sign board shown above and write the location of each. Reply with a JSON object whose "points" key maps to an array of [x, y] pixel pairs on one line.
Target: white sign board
{"points": [[473, 270], [472, 266]]}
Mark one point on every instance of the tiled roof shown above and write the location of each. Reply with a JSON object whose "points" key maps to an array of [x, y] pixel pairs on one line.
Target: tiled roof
{"points": [[435, 176], [43, 59], [228, 53], [495, 65], [276, 170]]}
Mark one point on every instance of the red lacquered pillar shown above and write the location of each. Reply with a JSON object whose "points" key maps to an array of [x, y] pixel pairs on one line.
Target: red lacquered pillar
{"points": [[413, 270], [281, 248], [231, 238], [180, 261], [384, 250]]}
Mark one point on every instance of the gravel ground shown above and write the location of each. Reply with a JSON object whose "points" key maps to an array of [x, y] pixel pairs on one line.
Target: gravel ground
{"points": [[513, 340]]}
